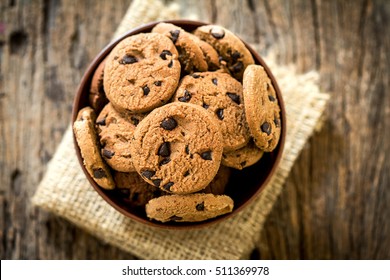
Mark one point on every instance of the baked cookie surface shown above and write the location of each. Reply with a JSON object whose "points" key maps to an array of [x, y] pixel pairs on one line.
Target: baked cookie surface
{"points": [[262, 109], [231, 49], [221, 96], [244, 157], [97, 96], [188, 208], [220, 181], [141, 72], [115, 130], [178, 148], [85, 133], [133, 189], [190, 54]]}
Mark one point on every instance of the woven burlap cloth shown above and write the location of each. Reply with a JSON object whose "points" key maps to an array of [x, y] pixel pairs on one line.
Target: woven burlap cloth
{"points": [[65, 191]]}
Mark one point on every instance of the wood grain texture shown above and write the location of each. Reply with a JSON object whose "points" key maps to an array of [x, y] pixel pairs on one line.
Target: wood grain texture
{"points": [[334, 205]]}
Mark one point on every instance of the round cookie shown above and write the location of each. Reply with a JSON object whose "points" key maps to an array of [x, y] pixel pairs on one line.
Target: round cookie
{"points": [[133, 189], [194, 207], [218, 184], [262, 109], [97, 96], [229, 46], [209, 53], [221, 95], [190, 54], [116, 131], [244, 157], [141, 72], [84, 131], [178, 148]]}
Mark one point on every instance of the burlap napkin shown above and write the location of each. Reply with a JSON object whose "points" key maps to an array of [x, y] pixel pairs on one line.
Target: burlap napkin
{"points": [[65, 191]]}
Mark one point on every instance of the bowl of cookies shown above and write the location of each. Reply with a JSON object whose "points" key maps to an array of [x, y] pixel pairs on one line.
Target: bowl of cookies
{"points": [[178, 124]]}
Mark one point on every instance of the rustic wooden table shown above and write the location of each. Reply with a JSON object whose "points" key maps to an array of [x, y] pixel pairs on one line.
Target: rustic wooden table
{"points": [[335, 204]]}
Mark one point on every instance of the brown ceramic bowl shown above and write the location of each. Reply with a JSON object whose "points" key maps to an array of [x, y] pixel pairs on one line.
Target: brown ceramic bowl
{"points": [[243, 186]]}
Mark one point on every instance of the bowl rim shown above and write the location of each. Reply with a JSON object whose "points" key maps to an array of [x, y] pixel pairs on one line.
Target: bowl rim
{"points": [[85, 81]]}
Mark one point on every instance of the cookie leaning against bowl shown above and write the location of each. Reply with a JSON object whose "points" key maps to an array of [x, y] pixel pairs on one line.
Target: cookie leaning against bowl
{"points": [[244, 157], [115, 130], [85, 133], [190, 54], [221, 96], [178, 148], [141, 72], [229, 46], [261, 107], [97, 96], [188, 208]]}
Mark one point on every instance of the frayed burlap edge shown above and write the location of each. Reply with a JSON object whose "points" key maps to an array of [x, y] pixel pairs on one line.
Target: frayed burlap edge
{"points": [[65, 191]]}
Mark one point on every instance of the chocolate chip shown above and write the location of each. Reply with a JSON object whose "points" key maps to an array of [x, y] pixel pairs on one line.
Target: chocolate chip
{"points": [[218, 33], [156, 182], [164, 54], [187, 96], [148, 173], [128, 59], [186, 174], [175, 35], [235, 56], [146, 90], [266, 127], [99, 173], [168, 123], [187, 149], [157, 83], [271, 98], [219, 113], [175, 218], [101, 122], [200, 206], [243, 163], [124, 192], [107, 153], [164, 150], [134, 120], [135, 196], [170, 64], [234, 97], [277, 122], [238, 67], [215, 81], [168, 186], [205, 105], [206, 155], [195, 76], [164, 161]]}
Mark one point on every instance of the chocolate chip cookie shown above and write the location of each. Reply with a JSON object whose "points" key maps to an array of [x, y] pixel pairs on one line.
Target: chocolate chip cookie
{"points": [[116, 131], [188, 208], [97, 96], [218, 184], [230, 48], [178, 148], [84, 130], [190, 54], [141, 72], [133, 189], [262, 109], [221, 96], [244, 157], [209, 53]]}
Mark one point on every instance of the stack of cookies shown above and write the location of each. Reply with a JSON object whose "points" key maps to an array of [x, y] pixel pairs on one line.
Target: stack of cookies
{"points": [[171, 112]]}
